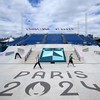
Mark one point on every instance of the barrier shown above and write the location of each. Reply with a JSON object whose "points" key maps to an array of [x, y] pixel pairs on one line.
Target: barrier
{"points": [[79, 54]]}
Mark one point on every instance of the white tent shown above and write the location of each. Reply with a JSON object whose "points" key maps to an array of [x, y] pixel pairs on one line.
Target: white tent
{"points": [[9, 40]]}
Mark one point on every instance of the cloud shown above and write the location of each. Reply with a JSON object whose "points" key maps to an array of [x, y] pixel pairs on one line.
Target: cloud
{"points": [[47, 13], [61, 13]]}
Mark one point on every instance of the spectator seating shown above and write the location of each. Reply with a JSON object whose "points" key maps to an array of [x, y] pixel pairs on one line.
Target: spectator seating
{"points": [[73, 39], [54, 39], [88, 40], [33, 39]]}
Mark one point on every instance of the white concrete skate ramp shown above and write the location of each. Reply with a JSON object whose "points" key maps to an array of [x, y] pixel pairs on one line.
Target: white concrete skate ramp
{"points": [[54, 82]]}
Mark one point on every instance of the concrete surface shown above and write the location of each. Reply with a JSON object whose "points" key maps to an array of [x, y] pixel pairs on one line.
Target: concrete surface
{"points": [[54, 82]]}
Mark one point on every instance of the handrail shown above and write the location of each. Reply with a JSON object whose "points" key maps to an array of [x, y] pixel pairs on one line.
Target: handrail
{"points": [[79, 54]]}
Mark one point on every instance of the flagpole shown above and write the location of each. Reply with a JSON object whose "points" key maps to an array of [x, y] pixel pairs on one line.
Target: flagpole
{"points": [[78, 27], [85, 23], [22, 24]]}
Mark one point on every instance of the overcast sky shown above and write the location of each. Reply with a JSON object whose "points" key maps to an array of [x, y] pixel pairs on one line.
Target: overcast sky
{"points": [[49, 14]]}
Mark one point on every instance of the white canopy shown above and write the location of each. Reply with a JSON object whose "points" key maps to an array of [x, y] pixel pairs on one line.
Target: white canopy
{"points": [[9, 40]]}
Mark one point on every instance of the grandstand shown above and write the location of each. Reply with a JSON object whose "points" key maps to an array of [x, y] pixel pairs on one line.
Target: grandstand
{"points": [[53, 39], [33, 39]]}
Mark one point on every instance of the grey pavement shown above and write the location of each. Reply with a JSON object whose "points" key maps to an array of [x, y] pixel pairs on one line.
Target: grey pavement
{"points": [[54, 81]]}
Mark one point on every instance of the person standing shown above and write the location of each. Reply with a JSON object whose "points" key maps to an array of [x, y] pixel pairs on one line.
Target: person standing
{"points": [[17, 54], [37, 61], [71, 60]]}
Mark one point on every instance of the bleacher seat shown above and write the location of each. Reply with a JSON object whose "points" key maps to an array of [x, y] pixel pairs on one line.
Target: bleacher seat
{"points": [[88, 40], [33, 39], [73, 39], [54, 39]]}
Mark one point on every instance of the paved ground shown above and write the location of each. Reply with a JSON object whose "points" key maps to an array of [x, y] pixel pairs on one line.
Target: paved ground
{"points": [[53, 82]]}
